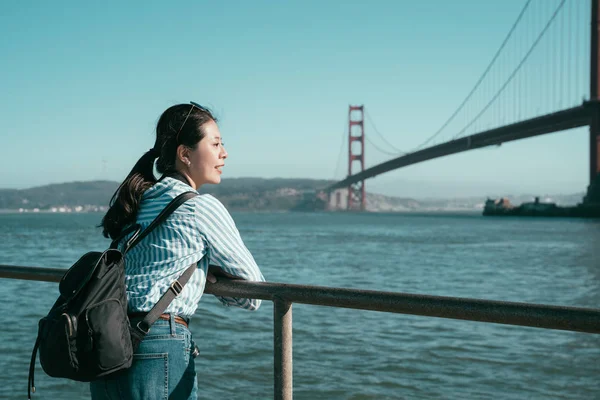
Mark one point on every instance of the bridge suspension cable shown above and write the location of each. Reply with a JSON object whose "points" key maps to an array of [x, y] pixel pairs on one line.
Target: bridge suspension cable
{"points": [[380, 149], [479, 81], [337, 164], [513, 74], [397, 151]]}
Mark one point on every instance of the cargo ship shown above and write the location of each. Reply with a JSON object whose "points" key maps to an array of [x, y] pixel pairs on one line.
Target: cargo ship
{"points": [[503, 207]]}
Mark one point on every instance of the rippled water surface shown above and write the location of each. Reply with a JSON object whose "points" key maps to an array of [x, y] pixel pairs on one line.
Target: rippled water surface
{"points": [[349, 354]]}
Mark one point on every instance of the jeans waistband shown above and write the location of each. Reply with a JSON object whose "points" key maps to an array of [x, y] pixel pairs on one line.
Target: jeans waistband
{"points": [[167, 317]]}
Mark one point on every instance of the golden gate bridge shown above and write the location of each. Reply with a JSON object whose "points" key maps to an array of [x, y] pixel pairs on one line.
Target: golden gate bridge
{"points": [[544, 78]]}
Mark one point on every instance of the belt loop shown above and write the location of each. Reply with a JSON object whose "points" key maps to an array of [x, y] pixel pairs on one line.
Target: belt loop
{"points": [[172, 324]]}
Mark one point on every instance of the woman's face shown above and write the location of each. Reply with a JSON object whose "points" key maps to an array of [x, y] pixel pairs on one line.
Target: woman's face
{"points": [[208, 158]]}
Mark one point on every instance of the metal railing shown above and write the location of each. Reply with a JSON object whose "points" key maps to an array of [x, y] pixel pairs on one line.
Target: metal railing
{"points": [[284, 295]]}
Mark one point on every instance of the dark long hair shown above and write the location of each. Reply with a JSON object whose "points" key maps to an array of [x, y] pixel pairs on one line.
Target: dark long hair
{"points": [[180, 124]]}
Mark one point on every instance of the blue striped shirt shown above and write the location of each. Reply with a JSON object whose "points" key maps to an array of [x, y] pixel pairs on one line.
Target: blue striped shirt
{"points": [[199, 231]]}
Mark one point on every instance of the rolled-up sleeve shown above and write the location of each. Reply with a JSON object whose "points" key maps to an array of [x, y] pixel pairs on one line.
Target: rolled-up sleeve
{"points": [[226, 248]]}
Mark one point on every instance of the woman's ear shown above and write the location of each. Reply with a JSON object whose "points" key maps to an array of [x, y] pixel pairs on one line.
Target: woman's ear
{"points": [[183, 154]]}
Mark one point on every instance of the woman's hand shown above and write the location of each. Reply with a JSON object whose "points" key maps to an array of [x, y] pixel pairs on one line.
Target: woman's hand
{"points": [[215, 271], [210, 277]]}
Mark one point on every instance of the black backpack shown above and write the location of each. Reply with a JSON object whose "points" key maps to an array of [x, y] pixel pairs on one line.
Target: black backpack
{"points": [[87, 333]]}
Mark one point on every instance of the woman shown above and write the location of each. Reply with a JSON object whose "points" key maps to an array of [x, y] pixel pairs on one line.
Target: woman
{"points": [[189, 153]]}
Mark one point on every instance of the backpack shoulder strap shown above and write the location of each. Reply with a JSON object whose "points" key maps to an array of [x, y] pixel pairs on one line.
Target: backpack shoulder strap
{"points": [[164, 214], [161, 305]]}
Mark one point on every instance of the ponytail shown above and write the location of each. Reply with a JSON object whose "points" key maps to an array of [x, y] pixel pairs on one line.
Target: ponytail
{"points": [[125, 202]]}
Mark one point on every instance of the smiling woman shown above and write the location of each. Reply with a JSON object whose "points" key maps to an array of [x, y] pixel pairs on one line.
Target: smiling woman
{"points": [[188, 153]]}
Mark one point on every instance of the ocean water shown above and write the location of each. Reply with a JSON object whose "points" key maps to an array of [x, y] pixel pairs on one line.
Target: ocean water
{"points": [[350, 354]]}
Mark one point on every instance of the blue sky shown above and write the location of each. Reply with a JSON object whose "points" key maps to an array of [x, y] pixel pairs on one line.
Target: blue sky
{"points": [[82, 86]]}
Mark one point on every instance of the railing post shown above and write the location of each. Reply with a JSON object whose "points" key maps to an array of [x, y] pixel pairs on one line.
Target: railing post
{"points": [[282, 338]]}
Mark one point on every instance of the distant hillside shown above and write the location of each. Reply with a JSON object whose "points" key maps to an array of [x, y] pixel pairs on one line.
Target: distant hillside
{"points": [[70, 194], [235, 193], [243, 194], [267, 194]]}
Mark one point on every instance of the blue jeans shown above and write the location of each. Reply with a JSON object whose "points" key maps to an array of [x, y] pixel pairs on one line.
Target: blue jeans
{"points": [[163, 368]]}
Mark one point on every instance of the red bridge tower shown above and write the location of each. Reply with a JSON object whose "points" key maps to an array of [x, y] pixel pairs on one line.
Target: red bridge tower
{"points": [[356, 134]]}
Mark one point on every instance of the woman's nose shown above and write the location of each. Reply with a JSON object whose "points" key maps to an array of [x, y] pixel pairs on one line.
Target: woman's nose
{"points": [[223, 152]]}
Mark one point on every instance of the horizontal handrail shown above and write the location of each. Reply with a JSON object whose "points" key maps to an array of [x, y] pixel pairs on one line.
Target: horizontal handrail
{"points": [[502, 312]]}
